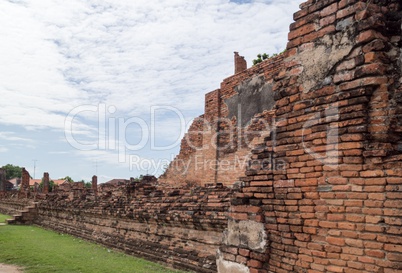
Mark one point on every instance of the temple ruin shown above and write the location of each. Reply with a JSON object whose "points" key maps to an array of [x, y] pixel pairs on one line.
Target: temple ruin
{"points": [[295, 166]]}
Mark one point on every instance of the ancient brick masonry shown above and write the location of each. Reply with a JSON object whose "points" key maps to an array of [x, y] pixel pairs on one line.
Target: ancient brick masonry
{"points": [[24, 187], [323, 191], [240, 63], [45, 182], [320, 130], [13, 206], [2, 180], [179, 226], [182, 168], [217, 145], [94, 184]]}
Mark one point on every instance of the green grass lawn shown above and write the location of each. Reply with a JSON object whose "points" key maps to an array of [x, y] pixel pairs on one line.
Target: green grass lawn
{"points": [[4, 217], [42, 251]]}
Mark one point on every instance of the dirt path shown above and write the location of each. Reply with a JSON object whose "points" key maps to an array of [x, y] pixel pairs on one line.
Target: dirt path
{"points": [[5, 268]]}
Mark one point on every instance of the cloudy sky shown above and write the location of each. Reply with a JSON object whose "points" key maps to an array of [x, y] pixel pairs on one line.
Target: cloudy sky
{"points": [[108, 87]]}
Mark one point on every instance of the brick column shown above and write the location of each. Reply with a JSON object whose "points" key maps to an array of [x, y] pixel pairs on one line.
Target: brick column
{"points": [[240, 63], [25, 181], [95, 183], [45, 182], [2, 180]]}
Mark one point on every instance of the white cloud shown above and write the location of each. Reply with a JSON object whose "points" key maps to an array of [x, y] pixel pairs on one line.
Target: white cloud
{"points": [[57, 55], [10, 136], [59, 153]]}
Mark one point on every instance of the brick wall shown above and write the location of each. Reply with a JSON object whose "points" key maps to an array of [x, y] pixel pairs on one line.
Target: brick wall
{"points": [[182, 227], [183, 165], [321, 188], [226, 139], [324, 189], [12, 206]]}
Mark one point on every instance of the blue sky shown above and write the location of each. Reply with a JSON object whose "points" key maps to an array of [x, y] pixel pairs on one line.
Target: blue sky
{"points": [[109, 87]]}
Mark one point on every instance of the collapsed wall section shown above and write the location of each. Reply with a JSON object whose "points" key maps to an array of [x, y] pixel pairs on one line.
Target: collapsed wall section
{"points": [[183, 167], [234, 118]]}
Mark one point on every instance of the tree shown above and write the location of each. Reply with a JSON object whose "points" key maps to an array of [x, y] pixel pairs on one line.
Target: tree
{"points": [[87, 185], [69, 179], [51, 185], [139, 178], [265, 56], [12, 171]]}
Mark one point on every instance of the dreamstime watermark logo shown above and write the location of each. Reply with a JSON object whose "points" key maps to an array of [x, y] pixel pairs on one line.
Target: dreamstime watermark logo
{"points": [[319, 138]]}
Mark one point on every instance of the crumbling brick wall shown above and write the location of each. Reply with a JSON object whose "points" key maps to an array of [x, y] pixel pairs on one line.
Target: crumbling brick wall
{"points": [[12, 205], [228, 128], [323, 190], [240, 63], [182, 227], [184, 167]]}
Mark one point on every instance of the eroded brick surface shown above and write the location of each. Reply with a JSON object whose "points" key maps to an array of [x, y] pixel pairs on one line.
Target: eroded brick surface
{"points": [[321, 187], [182, 227], [335, 204]]}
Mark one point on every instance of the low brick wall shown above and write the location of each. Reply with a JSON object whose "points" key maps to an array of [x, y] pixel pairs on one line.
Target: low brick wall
{"points": [[180, 227], [12, 206]]}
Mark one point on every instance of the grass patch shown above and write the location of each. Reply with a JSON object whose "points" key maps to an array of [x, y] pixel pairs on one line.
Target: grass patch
{"points": [[3, 218], [42, 251]]}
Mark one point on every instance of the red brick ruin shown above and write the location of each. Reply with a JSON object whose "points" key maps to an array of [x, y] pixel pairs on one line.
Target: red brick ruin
{"points": [[240, 63], [46, 183], [2, 180], [24, 187], [295, 166], [94, 183]]}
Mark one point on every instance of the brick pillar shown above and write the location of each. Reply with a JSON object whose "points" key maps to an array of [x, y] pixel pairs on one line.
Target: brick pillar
{"points": [[240, 63], [95, 183], [45, 182], [25, 181], [2, 180]]}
